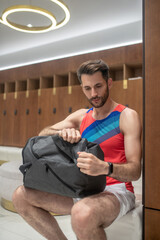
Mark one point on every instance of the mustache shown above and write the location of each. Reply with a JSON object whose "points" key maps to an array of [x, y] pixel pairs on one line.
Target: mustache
{"points": [[94, 98]]}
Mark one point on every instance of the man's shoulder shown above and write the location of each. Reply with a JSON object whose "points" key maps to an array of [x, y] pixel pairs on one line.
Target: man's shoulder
{"points": [[129, 113], [129, 120], [80, 112], [77, 116]]}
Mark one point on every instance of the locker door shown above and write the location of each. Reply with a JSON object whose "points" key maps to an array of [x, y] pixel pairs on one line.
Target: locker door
{"points": [[19, 134], [8, 119], [32, 114], [47, 108], [1, 118], [78, 99], [62, 100]]}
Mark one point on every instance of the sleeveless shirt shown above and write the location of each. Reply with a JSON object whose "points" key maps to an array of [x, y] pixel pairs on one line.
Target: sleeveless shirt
{"points": [[106, 133]]}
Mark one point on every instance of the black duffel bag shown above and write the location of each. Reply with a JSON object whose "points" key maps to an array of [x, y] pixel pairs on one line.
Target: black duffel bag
{"points": [[50, 165]]}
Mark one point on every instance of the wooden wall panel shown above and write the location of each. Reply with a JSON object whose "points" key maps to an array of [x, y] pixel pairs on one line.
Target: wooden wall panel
{"points": [[54, 92], [152, 104], [151, 198], [114, 57], [152, 220]]}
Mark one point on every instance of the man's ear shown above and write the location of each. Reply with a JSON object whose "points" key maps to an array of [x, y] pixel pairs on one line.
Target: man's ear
{"points": [[110, 83]]}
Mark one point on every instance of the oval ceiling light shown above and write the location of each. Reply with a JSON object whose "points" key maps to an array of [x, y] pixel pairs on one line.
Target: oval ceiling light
{"points": [[25, 8], [29, 8], [66, 11]]}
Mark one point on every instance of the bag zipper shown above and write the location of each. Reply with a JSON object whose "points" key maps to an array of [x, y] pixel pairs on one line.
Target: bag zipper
{"points": [[48, 167]]}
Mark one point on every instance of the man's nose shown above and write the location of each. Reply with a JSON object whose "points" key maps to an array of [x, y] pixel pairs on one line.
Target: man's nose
{"points": [[93, 93]]}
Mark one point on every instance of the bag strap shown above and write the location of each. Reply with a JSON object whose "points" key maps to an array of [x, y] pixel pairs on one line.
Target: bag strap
{"points": [[25, 166]]}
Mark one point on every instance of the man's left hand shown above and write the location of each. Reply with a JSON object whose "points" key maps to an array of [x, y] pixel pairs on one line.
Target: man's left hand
{"points": [[90, 164]]}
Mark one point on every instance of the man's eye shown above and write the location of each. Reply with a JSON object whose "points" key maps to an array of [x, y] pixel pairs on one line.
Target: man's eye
{"points": [[87, 89]]}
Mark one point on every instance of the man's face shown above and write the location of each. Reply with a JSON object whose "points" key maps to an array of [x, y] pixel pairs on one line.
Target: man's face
{"points": [[95, 88]]}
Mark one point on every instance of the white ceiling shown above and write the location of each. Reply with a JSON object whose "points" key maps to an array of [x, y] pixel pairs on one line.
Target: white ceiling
{"points": [[94, 25]]}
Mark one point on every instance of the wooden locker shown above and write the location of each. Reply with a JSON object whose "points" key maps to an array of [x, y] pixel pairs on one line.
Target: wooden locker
{"points": [[20, 120], [47, 108], [118, 93], [8, 119], [135, 96], [1, 117], [78, 99], [32, 115], [63, 103]]}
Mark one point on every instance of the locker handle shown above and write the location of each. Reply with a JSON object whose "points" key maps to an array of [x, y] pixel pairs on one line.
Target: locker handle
{"points": [[70, 110], [39, 111], [54, 110], [27, 111], [4, 112], [15, 112]]}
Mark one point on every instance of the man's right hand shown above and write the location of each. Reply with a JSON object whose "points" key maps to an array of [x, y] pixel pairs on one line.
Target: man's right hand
{"points": [[71, 135]]}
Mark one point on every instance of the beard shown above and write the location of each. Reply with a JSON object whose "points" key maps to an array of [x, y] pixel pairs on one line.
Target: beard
{"points": [[100, 100]]}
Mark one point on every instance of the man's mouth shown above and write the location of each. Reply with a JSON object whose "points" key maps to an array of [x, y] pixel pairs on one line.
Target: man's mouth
{"points": [[95, 99]]}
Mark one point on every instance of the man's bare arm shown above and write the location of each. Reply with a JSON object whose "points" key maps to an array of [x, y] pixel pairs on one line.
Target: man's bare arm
{"points": [[131, 128], [129, 171], [68, 128]]}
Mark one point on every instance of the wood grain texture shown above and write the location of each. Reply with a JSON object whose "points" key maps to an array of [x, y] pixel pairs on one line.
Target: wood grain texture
{"points": [[53, 91], [152, 107], [152, 220]]}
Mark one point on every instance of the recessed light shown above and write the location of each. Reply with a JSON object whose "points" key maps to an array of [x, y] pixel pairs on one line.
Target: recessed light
{"points": [[29, 25]]}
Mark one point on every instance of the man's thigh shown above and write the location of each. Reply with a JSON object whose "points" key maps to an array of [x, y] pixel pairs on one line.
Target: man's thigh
{"points": [[48, 201], [105, 207]]}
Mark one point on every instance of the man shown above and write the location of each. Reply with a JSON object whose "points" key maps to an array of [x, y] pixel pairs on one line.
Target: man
{"points": [[117, 130]]}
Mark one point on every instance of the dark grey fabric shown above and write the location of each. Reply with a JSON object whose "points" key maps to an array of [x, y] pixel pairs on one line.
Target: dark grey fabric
{"points": [[49, 164]]}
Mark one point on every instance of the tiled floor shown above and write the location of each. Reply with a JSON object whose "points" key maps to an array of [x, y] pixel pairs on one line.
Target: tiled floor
{"points": [[13, 227]]}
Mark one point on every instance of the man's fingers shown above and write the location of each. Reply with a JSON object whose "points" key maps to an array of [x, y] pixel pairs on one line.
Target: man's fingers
{"points": [[84, 155], [70, 135], [78, 136]]}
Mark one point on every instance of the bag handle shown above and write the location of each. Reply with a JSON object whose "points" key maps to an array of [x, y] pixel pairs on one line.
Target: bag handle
{"points": [[59, 143], [24, 167]]}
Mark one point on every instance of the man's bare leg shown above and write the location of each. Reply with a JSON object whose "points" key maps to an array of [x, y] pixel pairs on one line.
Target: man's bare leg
{"points": [[90, 215], [34, 206]]}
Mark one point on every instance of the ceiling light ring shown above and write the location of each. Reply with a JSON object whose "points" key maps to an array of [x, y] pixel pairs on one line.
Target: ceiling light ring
{"points": [[66, 11], [29, 8]]}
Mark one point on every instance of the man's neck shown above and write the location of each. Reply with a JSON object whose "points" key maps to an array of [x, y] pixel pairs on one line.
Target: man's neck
{"points": [[105, 110]]}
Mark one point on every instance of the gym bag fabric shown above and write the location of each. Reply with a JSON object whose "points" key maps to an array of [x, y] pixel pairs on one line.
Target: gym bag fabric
{"points": [[50, 165]]}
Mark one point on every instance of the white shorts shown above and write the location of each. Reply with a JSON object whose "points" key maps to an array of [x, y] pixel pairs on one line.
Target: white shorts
{"points": [[125, 197]]}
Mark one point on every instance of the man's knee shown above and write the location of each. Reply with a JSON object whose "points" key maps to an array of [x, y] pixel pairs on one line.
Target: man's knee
{"points": [[82, 217], [18, 199]]}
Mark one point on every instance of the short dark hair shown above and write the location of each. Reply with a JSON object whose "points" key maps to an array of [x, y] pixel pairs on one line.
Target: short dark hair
{"points": [[93, 66]]}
